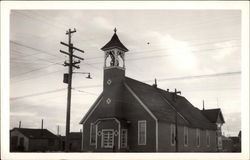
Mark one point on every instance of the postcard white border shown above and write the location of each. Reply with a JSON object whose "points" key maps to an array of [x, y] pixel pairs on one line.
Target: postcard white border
{"points": [[6, 6]]}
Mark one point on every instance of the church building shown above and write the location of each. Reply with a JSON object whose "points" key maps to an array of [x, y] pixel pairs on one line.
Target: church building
{"points": [[132, 116]]}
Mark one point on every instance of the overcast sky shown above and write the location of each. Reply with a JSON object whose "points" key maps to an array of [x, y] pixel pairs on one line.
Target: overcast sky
{"points": [[200, 48]]}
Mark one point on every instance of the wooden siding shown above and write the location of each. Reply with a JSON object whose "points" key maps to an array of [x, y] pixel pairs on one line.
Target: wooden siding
{"points": [[165, 140]]}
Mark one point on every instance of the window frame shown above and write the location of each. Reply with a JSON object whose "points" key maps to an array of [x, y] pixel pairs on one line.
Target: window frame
{"points": [[185, 128], [126, 138], [145, 132], [113, 136], [207, 138], [198, 136], [172, 130], [92, 125]]}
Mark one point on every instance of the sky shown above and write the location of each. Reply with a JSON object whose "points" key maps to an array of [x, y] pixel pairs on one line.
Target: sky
{"points": [[195, 51]]}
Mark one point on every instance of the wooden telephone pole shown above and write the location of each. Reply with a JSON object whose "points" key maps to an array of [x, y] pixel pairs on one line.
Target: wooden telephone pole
{"points": [[68, 80], [176, 122]]}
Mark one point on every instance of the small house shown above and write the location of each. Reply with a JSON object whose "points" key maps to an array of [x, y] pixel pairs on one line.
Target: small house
{"points": [[33, 140]]}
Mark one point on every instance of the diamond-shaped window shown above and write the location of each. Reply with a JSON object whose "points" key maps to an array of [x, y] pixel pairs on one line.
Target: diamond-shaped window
{"points": [[108, 101], [109, 81]]}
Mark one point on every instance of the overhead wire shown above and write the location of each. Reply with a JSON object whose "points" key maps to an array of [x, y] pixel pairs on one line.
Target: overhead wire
{"points": [[36, 18], [35, 49], [43, 75], [138, 58], [90, 64], [165, 55], [38, 58], [88, 58], [160, 80], [37, 69], [38, 94], [90, 93], [164, 49]]}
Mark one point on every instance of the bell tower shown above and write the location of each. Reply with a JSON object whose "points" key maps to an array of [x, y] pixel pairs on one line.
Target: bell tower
{"points": [[114, 52], [114, 74]]}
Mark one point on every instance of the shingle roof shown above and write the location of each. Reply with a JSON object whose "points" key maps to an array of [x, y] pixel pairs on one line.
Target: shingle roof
{"points": [[114, 43], [212, 114], [36, 133], [162, 104]]}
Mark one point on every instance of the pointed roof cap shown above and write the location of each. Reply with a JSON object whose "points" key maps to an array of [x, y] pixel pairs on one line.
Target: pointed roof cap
{"points": [[114, 43]]}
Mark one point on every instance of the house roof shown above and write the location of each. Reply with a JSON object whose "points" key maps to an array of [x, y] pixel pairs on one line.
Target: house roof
{"points": [[213, 114], [163, 105], [114, 43], [36, 133]]}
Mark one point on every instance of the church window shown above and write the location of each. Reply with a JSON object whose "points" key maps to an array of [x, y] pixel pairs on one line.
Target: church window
{"points": [[197, 137], [142, 128], [173, 134], [92, 134], [185, 136], [207, 138], [124, 136]]}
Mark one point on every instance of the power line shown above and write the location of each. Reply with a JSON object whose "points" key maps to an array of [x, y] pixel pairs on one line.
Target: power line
{"points": [[37, 94], [35, 49], [163, 79], [199, 76], [47, 74], [167, 48], [193, 25], [41, 68], [51, 23], [157, 56], [164, 55], [84, 92], [37, 18], [21, 56]]}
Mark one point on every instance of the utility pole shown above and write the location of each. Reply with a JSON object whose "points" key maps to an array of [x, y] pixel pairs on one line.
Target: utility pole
{"points": [[20, 124], [42, 124], [68, 80], [176, 122], [176, 132]]}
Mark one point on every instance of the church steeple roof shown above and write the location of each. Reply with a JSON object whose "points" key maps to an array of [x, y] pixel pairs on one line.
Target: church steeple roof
{"points": [[114, 43]]}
